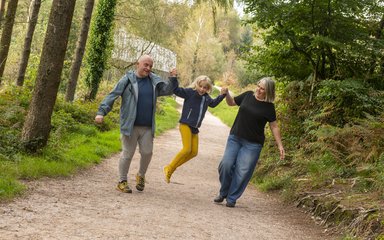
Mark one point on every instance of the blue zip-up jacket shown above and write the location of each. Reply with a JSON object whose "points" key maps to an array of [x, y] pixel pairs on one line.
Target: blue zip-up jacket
{"points": [[127, 88], [195, 105]]}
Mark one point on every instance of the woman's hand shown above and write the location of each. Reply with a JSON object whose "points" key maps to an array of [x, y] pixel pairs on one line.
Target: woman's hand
{"points": [[99, 119]]}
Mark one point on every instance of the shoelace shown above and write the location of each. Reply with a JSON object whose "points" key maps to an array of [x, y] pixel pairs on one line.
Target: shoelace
{"points": [[141, 181]]}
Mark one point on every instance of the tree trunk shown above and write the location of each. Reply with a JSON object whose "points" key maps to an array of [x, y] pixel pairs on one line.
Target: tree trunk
{"points": [[314, 80], [214, 18], [2, 8], [375, 59], [7, 34], [80, 48], [194, 63], [33, 15], [37, 125]]}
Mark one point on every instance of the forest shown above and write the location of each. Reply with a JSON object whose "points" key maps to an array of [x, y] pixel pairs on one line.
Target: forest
{"points": [[58, 61]]}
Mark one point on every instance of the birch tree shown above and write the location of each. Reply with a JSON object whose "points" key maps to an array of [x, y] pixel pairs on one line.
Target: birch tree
{"points": [[80, 48], [7, 34], [33, 16]]}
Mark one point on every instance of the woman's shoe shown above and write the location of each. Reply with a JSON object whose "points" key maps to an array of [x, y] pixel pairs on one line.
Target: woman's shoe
{"points": [[219, 199]]}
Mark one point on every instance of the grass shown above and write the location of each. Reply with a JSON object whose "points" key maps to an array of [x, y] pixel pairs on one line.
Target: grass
{"points": [[224, 112], [69, 151]]}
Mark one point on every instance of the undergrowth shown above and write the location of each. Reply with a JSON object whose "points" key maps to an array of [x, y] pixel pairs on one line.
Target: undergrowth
{"points": [[75, 141]]}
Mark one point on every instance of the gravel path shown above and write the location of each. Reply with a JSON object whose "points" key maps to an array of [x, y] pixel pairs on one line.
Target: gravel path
{"points": [[87, 206]]}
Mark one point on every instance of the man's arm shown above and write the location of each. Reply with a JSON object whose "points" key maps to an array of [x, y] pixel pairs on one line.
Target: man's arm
{"points": [[107, 104], [168, 87]]}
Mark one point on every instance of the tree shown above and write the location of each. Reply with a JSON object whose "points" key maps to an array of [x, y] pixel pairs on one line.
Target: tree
{"points": [[37, 125], [100, 45], [155, 21], [34, 14], [7, 34], [314, 34], [2, 8], [213, 4], [80, 48], [200, 52]]}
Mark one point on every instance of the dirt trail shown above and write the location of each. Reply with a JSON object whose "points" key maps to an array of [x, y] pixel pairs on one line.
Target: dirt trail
{"points": [[87, 206]]}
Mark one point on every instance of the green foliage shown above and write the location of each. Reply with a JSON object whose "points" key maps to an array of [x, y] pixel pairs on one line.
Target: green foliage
{"points": [[341, 101], [224, 112], [354, 151], [100, 45], [166, 114], [75, 142], [271, 183], [277, 59], [13, 103], [9, 188], [314, 33]]}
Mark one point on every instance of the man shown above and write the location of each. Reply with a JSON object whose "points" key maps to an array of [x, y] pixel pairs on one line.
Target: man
{"points": [[138, 90]]}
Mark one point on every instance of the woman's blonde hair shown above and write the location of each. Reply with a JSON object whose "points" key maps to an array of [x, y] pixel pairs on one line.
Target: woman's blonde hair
{"points": [[269, 89], [200, 80]]}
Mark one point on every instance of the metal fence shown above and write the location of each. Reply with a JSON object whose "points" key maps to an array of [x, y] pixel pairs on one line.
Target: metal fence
{"points": [[129, 48]]}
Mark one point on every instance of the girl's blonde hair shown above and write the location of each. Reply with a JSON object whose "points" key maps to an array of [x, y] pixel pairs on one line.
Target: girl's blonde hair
{"points": [[202, 80], [269, 89]]}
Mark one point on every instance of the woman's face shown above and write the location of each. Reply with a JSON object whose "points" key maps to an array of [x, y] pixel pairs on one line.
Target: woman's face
{"points": [[260, 91]]}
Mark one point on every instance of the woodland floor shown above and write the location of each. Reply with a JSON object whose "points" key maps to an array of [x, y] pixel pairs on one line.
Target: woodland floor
{"points": [[87, 206]]}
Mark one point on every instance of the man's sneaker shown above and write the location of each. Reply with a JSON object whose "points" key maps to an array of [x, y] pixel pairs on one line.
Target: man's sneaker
{"points": [[167, 174], [140, 182], [123, 187], [219, 199]]}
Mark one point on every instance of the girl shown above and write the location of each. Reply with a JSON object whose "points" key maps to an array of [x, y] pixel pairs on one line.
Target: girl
{"points": [[196, 102]]}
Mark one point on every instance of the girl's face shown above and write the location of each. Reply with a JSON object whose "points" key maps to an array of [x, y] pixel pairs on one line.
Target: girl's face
{"points": [[202, 88], [260, 91]]}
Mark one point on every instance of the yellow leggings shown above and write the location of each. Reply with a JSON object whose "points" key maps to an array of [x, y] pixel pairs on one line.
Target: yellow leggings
{"points": [[190, 147]]}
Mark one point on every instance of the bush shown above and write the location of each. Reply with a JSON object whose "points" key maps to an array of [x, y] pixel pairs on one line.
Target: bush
{"points": [[341, 101]]}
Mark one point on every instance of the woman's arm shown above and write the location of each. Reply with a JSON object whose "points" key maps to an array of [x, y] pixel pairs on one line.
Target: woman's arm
{"points": [[276, 134], [229, 99]]}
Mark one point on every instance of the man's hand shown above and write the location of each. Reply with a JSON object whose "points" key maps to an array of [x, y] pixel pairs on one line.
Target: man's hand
{"points": [[173, 72], [99, 119], [224, 90]]}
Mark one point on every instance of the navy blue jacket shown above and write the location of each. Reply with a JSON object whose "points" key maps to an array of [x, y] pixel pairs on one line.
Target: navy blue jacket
{"points": [[195, 105]]}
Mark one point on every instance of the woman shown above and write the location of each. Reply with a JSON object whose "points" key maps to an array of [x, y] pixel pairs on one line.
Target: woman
{"points": [[246, 139]]}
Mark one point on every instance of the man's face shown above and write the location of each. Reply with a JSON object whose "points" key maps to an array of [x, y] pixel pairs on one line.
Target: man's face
{"points": [[144, 67]]}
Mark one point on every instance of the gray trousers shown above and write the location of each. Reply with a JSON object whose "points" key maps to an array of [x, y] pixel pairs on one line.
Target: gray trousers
{"points": [[143, 137]]}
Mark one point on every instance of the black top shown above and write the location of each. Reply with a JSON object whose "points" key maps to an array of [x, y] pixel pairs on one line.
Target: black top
{"points": [[252, 116]]}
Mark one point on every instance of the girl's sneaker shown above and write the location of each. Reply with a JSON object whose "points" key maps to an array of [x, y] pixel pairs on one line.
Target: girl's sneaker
{"points": [[167, 174]]}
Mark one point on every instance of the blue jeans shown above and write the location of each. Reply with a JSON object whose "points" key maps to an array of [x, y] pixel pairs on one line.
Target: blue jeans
{"points": [[237, 166]]}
